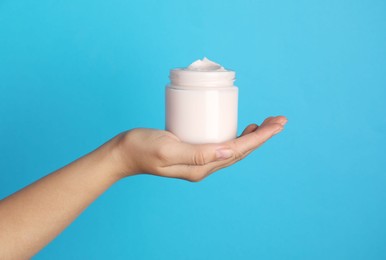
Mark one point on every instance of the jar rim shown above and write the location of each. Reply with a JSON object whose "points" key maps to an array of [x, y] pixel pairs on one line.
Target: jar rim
{"points": [[192, 78]]}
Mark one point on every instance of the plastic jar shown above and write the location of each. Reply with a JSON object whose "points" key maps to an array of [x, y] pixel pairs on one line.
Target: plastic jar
{"points": [[201, 103]]}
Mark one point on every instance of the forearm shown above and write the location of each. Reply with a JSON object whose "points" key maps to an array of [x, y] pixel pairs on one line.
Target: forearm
{"points": [[32, 217]]}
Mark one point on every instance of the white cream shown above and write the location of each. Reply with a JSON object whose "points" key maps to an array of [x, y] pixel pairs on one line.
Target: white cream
{"points": [[205, 65], [201, 103]]}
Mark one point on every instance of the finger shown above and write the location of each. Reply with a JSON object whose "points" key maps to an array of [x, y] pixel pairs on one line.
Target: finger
{"points": [[253, 127], [203, 154], [279, 119], [245, 144], [275, 119], [253, 140], [205, 151], [249, 129], [196, 154]]}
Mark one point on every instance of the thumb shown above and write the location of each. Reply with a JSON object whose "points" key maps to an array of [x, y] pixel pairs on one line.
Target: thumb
{"points": [[202, 154], [205, 153]]}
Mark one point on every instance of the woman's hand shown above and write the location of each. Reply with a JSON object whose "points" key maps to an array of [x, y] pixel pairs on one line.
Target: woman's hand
{"points": [[33, 216], [157, 152]]}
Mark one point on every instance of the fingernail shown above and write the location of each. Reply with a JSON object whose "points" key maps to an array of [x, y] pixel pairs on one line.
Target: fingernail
{"points": [[223, 154], [284, 121]]}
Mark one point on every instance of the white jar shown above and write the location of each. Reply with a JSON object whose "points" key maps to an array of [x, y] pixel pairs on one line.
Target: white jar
{"points": [[201, 103]]}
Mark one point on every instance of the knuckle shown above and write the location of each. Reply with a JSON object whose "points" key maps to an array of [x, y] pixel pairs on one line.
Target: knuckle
{"points": [[199, 158], [238, 156]]}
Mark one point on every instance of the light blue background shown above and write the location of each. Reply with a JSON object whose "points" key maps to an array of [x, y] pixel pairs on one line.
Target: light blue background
{"points": [[75, 73]]}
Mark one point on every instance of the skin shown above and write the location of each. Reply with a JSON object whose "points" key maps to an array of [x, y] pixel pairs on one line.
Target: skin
{"points": [[33, 216]]}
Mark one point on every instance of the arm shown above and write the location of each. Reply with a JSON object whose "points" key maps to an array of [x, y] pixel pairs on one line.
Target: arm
{"points": [[33, 216]]}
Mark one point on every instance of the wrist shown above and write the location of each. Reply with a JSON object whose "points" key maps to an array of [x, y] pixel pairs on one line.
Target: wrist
{"points": [[109, 159], [120, 157]]}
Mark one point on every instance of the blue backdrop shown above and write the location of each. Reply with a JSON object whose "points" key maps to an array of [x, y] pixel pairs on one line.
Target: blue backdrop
{"points": [[75, 73]]}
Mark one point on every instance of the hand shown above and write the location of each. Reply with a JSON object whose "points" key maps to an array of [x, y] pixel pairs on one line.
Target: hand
{"points": [[161, 153]]}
